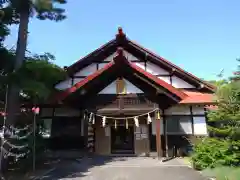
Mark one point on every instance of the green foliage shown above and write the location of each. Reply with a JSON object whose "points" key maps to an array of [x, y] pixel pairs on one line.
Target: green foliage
{"points": [[42, 9], [223, 173], [212, 152], [38, 76], [223, 145]]}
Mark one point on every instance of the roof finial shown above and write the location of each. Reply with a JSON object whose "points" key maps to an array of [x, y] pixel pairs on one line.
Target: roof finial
{"points": [[120, 31], [120, 36]]}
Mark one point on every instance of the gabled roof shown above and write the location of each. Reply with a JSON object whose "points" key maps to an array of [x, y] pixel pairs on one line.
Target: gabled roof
{"points": [[121, 61], [122, 41]]}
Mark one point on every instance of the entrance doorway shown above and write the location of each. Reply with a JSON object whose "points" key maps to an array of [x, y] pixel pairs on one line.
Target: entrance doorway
{"points": [[122, 140]]}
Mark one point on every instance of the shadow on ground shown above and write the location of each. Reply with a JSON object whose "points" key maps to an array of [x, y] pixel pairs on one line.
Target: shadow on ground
{"points": [[76, 168]]}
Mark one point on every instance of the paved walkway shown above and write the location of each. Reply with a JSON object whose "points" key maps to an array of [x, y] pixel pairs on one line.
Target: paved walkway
{"points": [[128, 168]]}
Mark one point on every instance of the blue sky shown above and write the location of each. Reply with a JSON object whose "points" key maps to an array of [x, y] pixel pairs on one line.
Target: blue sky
{"points": [[201, 36]]}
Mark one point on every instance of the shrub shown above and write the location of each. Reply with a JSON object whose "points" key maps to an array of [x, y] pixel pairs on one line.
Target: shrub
{"points": [[212, 152]]}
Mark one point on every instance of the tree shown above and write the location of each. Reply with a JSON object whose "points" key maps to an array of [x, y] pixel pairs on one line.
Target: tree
{"points": [[36, 79], [21, 12], [223, 146]]}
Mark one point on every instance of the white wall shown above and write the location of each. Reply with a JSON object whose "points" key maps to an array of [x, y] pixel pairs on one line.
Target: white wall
{"points": [[87, 70], [198, 110], [179, 83], [77, 80], [178, 110], [110, 58], [128, 55], [111, 89], [150, 67], [155, 70], [64, 84], [140, 64], [200, 127], [199, 122], [166, 79]]}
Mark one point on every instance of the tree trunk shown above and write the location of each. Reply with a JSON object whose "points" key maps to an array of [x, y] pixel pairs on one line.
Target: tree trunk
{"points": [[13, 104]]}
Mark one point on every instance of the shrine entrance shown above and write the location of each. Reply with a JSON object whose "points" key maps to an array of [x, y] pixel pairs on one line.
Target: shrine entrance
{"points": [[122, 140]]}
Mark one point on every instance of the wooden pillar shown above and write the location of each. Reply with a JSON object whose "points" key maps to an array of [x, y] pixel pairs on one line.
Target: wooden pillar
{"points": [[192, 121], [165, 134], [158, 135]]}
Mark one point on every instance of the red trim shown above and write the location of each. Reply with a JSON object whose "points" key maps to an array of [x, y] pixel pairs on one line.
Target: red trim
{"points": [[139, 47], [81, 83], [172, 65], [159, 81], [198, 98]]}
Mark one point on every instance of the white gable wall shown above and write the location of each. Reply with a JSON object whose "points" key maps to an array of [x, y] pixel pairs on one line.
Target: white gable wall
{"points": [[64, 84], [128, 55], [150, 67], [110, 89], [165, 78], [179, 83], [76, 80], [130, 88], [110, 58], [140, 64], [155, 70], [87, 70]]}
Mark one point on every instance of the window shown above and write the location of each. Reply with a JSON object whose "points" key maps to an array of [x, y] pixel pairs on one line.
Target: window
{"points": [[179, 124], [120, 86]]}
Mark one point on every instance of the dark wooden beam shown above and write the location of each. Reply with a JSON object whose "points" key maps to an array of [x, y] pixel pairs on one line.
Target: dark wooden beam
{"points": [[79, 76], [192, 122], [72, 81], [158, 135], [165, 134]]}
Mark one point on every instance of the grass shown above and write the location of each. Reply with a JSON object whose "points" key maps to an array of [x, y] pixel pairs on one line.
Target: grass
{"points": [[187, 160], [223, 173]]}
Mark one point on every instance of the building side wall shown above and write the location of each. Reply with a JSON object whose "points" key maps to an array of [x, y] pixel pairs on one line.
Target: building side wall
{"points": [[194, 117]]}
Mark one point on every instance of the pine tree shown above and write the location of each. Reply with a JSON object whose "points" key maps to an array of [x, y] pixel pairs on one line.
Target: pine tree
{"points": [[22, 11], [226, 118], [223, 145]]}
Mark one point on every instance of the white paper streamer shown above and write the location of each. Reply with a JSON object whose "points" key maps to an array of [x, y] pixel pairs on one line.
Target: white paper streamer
{"points": [[149, 119], [93, 119], [104, 121], [136, 121], [90, 117], [126, 123]]}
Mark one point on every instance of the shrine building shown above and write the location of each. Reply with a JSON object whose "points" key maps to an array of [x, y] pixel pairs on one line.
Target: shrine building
{"points": [[124, 99]]}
